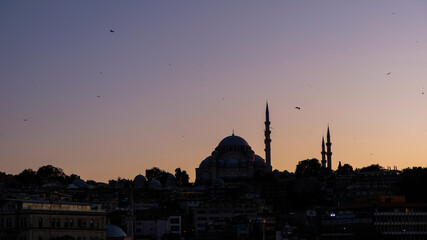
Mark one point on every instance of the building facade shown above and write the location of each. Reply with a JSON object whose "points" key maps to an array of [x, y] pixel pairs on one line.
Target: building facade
{"points": [[43, 220]]}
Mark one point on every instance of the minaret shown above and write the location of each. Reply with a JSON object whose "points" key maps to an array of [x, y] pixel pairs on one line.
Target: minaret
{"points": [[328, 149], [267, 140], [323, 153]]}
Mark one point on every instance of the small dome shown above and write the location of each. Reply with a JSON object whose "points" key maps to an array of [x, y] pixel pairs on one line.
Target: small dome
{"points": [[233, 140], [221, 163], [139, 181], [259, 161], [154, 184], [171, 180], [218, 182], [139, 178], [206, 163], [232, 163], [171, 176], [114, 231]]}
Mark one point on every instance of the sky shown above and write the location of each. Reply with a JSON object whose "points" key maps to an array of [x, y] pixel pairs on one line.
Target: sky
{"points": [[176, 77]]}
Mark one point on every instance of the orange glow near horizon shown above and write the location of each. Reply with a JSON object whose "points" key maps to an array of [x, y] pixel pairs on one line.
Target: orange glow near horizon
{"points": [[174, 78]]}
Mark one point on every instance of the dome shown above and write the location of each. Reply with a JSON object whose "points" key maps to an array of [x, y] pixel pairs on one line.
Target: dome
{"points": [[139, 178], [171, 177], [232, 163], [259, 161], [139, 181], [221, 163], [206, 163], [171, 180], [154, 184], [114, 231], [218, 182], [233, 141]]}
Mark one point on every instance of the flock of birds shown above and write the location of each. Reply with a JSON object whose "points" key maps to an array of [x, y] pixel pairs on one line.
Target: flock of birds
{"points": [[296, 107]]}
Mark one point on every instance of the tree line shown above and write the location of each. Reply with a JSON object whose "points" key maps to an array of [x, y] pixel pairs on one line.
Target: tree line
{"points": [[52, 174]]}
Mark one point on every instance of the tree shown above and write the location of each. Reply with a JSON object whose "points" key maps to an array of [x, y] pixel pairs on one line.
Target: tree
{"points": [[156, 173], [182, 177], [372, 168], [91, 182], [345, 169], [413, 184], [27, 177], [308, 168], [51, 173]]}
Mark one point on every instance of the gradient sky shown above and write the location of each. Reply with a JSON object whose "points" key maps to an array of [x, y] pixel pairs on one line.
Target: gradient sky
{"points": [[176, 77]]}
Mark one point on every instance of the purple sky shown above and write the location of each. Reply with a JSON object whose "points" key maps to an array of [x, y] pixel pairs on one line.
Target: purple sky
{"points": [[177, 76]]}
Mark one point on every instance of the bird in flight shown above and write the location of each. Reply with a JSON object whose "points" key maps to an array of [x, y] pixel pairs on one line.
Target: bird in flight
{"points": [[98, 96], [25, 119], [388, 73], [111, 30], [298, 108]]}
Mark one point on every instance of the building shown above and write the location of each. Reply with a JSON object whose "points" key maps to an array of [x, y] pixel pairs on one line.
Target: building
{"points": [[214, 217], [382, 217], [156, 229], [234, 158], [44, 220]]}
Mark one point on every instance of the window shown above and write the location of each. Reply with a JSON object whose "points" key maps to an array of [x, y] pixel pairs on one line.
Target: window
{"points": [[23, 222], [40, 222], [71, 223], [91, 223], [65, 223], [52, 222], [58, 222], [8, 222], [96, 223], [174, 220], [174, 228]]}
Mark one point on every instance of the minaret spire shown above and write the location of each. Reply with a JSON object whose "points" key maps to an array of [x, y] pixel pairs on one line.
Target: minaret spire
{"points": [[328, 149], [323, 153], [267, 140]]}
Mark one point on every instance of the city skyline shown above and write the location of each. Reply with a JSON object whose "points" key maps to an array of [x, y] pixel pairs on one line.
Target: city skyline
{"points": [[106, 89]]}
